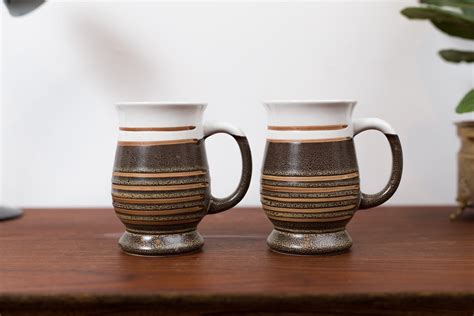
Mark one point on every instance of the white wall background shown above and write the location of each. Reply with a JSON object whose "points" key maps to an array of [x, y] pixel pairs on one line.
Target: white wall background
{"points": [[64, 65]]}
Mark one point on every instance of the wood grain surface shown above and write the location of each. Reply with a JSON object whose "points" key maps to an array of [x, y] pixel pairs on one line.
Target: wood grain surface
{"points": [[404, 260]]}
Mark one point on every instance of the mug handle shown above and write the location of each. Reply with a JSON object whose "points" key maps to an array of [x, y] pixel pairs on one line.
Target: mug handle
{"points": [[222, 204], [363, 124]]}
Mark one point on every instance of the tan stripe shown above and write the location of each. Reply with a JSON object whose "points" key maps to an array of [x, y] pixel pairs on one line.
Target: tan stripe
{"points": [[307, 210], [309, 190], [158, 201], [311, 231], [468, 156], [159, 175], [326, 140], [160, 212], [307, 128], [311, 179], [153, 195], [331, 219], [159, 187], [157, 129], [138, 222], [158, 143], [309, 200], [174, 231]]}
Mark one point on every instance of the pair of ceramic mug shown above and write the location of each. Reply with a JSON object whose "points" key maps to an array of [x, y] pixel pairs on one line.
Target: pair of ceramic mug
{"points": [[310, 185]]}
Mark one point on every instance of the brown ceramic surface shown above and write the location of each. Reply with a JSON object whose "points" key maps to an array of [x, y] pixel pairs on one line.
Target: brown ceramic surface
{"points": [[161, 191], [310, 191]]}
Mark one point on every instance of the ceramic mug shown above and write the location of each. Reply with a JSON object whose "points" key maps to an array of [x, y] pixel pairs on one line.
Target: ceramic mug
{"points": [[160, 183], [310, 185]]}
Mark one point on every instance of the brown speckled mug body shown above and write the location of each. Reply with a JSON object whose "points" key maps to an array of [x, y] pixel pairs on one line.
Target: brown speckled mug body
{"points": [[161, 191], [310, 185], [310, 191], [161, 188]]}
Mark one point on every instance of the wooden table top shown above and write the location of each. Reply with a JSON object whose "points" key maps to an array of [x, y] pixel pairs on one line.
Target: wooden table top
{"points": [[403, 258]]}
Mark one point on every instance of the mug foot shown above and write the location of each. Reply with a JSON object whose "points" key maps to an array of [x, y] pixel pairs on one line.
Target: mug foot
{"points": [[160, 244], [309, 243]]}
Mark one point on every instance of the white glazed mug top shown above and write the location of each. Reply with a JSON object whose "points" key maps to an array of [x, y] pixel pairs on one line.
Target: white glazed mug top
{"points": [[307, 119], [160, 121]]}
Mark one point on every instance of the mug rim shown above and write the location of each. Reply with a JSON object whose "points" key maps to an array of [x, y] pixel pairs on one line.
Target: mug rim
{"points": [[293, 101], [160, 103]]}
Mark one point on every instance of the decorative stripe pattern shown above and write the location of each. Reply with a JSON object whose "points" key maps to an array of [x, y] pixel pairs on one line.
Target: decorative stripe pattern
{"points": [[309, 211], [159, 175], [157, 129], [310, 187], [298, 205], [159, 201], [311, 179], [311, 200], [313, 220], [307, 128], [169, 203], [162, 223], [160, 189], [323, 140], [186, 210], [157, 143]]}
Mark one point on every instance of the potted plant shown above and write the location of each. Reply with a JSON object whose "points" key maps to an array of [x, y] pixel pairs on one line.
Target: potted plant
{"points": [[455, 18]]}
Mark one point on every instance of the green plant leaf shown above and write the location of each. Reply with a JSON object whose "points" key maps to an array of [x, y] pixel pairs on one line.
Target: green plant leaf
{"points": [[466, 6], [469, 12], [451, 3], [457, 56], [452, 23], [467, 103]]}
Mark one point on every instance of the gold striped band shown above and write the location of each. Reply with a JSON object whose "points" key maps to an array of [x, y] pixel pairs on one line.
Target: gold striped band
{"points": [[159, 212], [323, 140], [176, 187], [159, 174], [311, 179], [307, 128], [309, 190], [139, 222], [158, 143], [309, 211], [157, 129], [309, 200], [158, 201], [330, 219]]}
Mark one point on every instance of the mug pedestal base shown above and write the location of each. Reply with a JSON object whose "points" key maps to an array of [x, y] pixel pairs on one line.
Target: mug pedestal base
{"points": [[160, 244], [309, 244]]}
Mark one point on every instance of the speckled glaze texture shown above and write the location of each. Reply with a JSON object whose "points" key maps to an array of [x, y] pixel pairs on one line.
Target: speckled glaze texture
{"points": [[310, 185], [310, 191], [161, 192]]}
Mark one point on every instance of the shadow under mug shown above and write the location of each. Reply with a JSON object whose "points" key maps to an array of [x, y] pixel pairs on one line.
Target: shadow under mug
{"points": [[160, 182], [310, 186]]}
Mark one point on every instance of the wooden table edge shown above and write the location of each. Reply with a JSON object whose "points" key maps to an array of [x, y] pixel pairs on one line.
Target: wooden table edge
{"points": [[409, 301]]}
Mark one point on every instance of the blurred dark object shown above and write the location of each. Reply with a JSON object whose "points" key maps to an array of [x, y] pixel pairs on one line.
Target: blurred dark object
{"points": [[22, 7], [9, 213]]}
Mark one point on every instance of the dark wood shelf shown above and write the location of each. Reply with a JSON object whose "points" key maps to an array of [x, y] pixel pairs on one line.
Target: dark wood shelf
{"points": [[404, 259]]}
